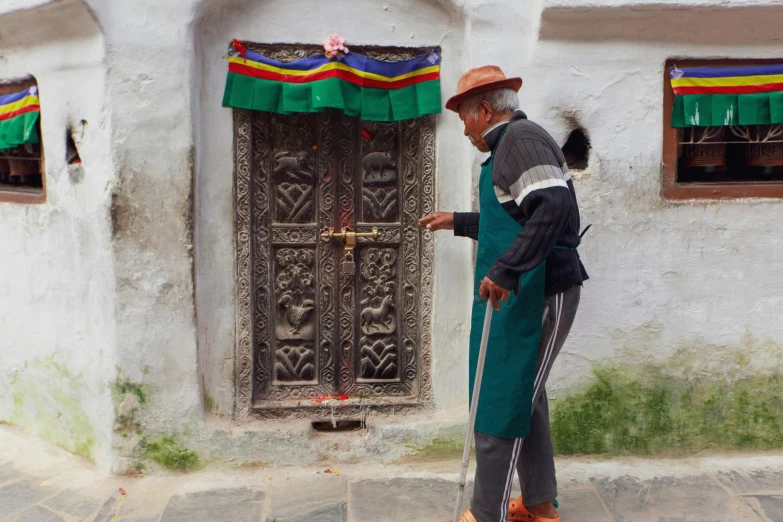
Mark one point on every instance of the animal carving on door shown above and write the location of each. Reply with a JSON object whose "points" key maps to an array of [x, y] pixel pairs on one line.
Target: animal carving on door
{"points": [[295, 294], [380, 189], [378, 313], [379, 167], [296, 166], [379, 319]]}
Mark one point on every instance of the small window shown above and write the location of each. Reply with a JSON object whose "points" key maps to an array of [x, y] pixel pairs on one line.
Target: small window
{"points": [[723, 129], [21, 157]]}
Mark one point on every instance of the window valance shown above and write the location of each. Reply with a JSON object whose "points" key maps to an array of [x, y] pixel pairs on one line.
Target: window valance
{"points": [[19, 114], [358, 85], [727, 96]]}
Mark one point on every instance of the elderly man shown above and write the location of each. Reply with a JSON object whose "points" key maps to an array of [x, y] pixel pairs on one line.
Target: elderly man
{"points": [[527, 231]]}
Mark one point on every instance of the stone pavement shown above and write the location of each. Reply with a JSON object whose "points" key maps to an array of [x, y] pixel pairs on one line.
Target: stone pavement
{"points": [[41, 483]]}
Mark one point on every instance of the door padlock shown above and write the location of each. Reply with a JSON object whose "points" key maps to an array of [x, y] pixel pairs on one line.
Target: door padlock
{"points": [[348, 266]]}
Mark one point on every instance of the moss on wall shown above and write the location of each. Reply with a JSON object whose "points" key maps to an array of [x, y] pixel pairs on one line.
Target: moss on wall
{"points": [[653, 411], [131, 440], [129, 399], [438, 449], [123, 386], [47, 400], [171, 454], [210, 404]]}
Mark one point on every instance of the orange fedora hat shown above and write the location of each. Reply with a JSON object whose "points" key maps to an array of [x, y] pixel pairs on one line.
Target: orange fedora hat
{"points": [[480, 79]]}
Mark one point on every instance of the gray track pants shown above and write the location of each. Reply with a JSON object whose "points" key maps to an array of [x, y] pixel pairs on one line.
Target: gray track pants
{"points": [[533, 458]]}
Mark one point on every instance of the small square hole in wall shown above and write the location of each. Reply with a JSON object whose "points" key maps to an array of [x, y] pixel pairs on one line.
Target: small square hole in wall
{"points": [[577, 150], [71, 152], [21, 151], [72, 157]]}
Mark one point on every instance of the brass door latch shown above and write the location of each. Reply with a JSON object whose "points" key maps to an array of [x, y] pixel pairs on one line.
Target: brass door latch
{"points": [[349, 244]]}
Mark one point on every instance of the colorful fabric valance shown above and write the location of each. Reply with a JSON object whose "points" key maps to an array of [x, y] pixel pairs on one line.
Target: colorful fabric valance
{"points": [[724, 96], [355, 84], [19, 118]]}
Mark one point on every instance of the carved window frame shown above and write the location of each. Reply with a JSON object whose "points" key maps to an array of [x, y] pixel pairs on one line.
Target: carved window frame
{"points": [[245, 358]]}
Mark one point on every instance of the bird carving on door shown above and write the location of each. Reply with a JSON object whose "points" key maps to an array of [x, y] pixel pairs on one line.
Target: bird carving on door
{"points": [[296, 314]]}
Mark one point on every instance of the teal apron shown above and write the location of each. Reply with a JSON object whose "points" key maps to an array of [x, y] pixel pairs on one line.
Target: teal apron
{"points": [[506, 398]]}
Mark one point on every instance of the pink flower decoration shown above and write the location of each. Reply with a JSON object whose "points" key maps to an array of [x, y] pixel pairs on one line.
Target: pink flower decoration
{"points": [[334, 45]]}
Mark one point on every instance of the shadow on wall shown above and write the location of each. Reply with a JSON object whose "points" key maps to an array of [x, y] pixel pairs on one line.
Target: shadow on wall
{"points": [[706, 25], [54, 21], [209, 10]]}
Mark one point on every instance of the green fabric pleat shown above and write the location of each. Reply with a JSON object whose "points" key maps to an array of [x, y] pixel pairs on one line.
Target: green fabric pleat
{"points": [[721, 110], [678, 112], [754, 109], [725, 111], [776, 106], [19, 130], [413, 101]]}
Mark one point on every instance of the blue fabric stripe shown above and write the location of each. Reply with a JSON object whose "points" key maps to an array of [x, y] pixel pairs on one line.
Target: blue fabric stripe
{"points": [[725, 72], [357, 61], [5, 99]]}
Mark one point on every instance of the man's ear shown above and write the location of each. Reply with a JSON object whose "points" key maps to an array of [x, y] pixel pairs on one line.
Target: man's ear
{"points": [[486, 110]]}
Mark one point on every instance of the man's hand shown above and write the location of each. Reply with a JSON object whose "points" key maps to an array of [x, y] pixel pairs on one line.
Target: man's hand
{"points": [[438, 221], [494, 293]]}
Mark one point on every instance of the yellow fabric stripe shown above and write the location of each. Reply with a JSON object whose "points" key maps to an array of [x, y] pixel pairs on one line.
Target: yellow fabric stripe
{"points": [[329, 67], [19, 104], [731, 81]]}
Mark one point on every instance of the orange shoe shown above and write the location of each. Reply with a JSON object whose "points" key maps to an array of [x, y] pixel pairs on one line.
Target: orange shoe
{"points": [[467, 516], [517, 512]]}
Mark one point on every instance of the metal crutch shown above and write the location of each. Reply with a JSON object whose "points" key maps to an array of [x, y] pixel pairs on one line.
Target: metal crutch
{"points": [[473, 409]]}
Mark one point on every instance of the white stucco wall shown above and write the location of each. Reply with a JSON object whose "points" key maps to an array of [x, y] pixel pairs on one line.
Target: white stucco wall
{"points": [[130, 271], [697, 277], [57, 287]]}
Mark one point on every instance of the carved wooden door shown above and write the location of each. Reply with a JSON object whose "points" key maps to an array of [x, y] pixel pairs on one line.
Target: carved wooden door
{"points": [[309, 324]]}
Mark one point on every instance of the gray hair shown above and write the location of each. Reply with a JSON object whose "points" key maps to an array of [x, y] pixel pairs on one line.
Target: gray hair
{"points": [[501, 100]]}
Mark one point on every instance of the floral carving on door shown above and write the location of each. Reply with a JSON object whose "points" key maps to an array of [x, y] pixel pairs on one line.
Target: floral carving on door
{"points": [[310, 324]]}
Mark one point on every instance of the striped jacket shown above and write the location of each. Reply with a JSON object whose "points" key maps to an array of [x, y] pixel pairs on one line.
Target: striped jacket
{"points": [[533, 184]]}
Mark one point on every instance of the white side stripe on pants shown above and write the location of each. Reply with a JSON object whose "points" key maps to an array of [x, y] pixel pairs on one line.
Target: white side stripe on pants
{"points": [[539, 382], [549, 349], [510, 479]]}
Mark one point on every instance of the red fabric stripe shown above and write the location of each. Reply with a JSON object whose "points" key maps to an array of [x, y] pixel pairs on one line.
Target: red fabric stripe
{"points": [[334, 73], [738, 89], [23, 110]]}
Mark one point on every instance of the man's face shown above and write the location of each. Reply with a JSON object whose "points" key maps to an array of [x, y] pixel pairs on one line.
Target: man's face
{"points": [[476, 123]]}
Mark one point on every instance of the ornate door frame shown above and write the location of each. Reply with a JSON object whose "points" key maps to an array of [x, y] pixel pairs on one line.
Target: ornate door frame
{"points": [[334, 296]]}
